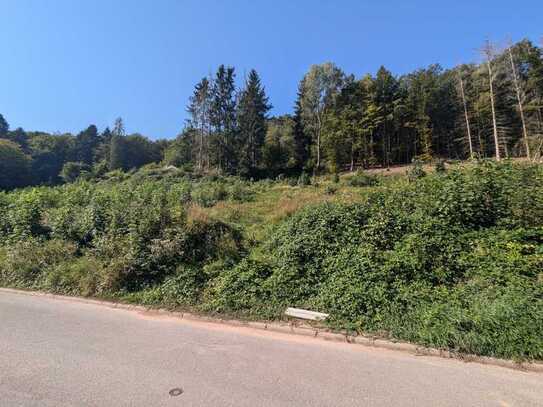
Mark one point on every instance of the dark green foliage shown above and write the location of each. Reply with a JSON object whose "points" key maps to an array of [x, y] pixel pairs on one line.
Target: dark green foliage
{"points": [[86, 143], [439, 166], [73, 170], [49, 153], [223, 119], [330, 189], [301, 138], [117, 153], [90, 153], [252, 110], [416, 171], [4, 127], [134, 151], [361, 179], [304, 179], [14, 166]]}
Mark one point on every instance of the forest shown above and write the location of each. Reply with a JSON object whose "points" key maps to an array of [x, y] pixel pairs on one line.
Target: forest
{"points": [[339, 123]]}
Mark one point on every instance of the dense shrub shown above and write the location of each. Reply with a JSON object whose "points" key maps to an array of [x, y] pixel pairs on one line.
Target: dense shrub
{"points": [[71, 171], [330, 189], [439, 166], [361, 179], [451, 261], [416, 171], [304, 179], [131, 235], [26, 263]]}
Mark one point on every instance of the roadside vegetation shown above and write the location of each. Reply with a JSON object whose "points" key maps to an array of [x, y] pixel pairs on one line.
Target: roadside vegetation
{"points": [[450, 258], [244, 214]]}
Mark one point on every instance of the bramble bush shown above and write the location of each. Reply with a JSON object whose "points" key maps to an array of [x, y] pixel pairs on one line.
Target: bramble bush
{"points": [[452, 261]]}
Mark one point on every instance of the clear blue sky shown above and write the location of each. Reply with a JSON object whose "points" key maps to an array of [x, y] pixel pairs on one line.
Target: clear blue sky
{"points": [[67, 63]]}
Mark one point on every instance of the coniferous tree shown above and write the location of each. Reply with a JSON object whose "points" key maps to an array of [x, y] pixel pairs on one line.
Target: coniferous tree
{"points": [[86, 143], [4, 127], [117, 148], [199, 109], [101, 153], [223, 119], [252, 110]]}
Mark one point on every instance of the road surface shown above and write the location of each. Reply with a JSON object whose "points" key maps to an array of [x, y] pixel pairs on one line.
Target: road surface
{"points": [[66, 353]]}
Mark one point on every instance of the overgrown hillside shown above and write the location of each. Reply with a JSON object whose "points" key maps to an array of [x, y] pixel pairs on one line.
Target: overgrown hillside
{"points": [[453, 259]]}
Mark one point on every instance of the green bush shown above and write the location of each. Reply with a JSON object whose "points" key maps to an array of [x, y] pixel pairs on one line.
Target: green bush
{"points": [[439, 166], [26, 263], [71, 171], [416, 171], [208, 194], [240, 192], [80, 276], [330, 189], [304, 180], [361, 179]]}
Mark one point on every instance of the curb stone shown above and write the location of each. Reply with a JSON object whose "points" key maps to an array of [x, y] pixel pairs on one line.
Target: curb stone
{"points": [[299, 329]]}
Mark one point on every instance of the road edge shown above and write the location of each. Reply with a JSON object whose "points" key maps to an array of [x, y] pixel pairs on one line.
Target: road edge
{"points": [[295, 328]]}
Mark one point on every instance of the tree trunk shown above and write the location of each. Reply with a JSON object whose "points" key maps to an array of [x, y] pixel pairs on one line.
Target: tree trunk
{"points": [[519, 100], [319, 127], [494, 124], [466, 116], [201, 148], [352, 156]]}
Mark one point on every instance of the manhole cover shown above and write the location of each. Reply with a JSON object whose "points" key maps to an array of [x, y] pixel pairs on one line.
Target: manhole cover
{"points": [[176, 392]]}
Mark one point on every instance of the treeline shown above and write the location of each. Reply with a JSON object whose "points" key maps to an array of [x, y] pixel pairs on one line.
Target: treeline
{"points": [[37, 158], [340, 122]]}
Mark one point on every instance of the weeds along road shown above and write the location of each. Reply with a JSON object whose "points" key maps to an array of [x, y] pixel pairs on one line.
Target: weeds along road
{"points": [[64, 353]]}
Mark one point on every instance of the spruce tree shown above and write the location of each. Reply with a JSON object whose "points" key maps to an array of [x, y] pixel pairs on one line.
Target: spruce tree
{"points": [[252, 112], [199, 109], [86, 143], [4, 127], [117, 148], [223, 118]]}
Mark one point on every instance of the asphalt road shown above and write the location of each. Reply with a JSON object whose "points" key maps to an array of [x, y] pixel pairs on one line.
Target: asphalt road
{"points": [[65, 353]]}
